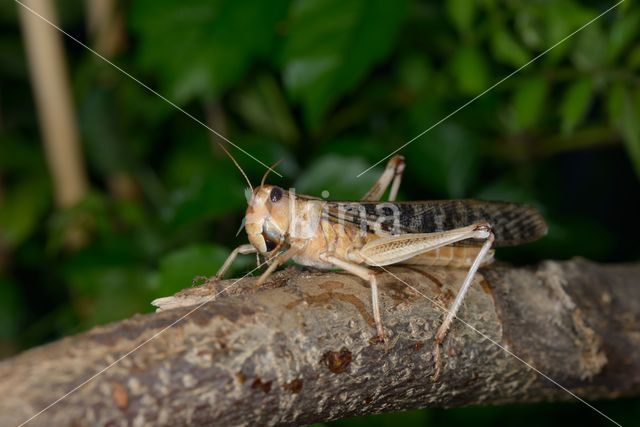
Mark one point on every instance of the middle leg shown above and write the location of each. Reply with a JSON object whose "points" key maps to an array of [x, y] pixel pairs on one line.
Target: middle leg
{"points": [[277, 261], [366, 274]]}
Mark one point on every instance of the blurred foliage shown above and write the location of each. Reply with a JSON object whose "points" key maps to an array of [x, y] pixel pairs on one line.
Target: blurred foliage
{"points": [[328, 87]]}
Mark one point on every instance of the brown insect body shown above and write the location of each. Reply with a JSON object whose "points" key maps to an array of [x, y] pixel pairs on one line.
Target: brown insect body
{"points": [[358, 236], [341, 227]]}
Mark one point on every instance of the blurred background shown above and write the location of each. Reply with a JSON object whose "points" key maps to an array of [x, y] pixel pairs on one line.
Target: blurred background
{"points": [[111, 197]]}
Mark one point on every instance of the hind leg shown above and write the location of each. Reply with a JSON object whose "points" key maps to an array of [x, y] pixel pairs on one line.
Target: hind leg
{"points": [[392, 175]]}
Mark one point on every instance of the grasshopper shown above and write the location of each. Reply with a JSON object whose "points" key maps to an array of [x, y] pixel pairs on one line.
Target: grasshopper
{"points": [[358, 236]]}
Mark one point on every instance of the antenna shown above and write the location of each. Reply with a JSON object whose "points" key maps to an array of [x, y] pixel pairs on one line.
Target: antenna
{"points": [[238, 166], [269, 170]]}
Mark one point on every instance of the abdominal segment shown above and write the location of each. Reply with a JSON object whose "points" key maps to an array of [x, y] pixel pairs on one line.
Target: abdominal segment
{"points": [[451, 256]]}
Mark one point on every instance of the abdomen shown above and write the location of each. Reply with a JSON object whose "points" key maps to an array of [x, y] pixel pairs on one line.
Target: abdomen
{"points": [[512, 223], [451, 256]]}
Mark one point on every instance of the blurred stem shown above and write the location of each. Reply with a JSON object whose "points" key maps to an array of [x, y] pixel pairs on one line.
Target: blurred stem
{"points": [[216, 119], [522, 146], [105, 24], [386, 99], [279, 110], [50, 81], [152, 187], [1, 113], [4, 250], [587, 137], [567, 74]]}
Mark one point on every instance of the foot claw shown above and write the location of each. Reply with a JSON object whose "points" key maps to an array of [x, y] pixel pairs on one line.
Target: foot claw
{"points": [[200, 280], [379, 338], [437, 358]]}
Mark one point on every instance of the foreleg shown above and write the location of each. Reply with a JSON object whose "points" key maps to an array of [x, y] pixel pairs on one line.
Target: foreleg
{"points": [[242, 249]]}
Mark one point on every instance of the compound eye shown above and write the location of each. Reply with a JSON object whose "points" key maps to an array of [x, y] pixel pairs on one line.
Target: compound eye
{"points": [[270, 245], [276, 194]]}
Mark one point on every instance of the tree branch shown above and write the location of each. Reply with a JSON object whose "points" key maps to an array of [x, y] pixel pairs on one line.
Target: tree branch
{"points": [[300, 351]]}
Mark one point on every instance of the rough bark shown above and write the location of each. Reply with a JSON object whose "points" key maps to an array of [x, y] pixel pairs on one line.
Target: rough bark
{"points": [[299, 350]]}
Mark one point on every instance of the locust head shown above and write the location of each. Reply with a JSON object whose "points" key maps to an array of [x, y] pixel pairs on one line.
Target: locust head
{"points": [[267, 218], [268, 213]]}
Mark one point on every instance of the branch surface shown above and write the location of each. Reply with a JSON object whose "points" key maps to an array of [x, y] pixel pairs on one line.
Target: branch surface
{"points": [[299, 350]]}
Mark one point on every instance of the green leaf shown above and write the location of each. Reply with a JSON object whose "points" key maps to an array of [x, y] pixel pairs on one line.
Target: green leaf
{"points": [[530, 27], [263, 105], [178, 268], [623, 33], [106, 149], [446, 160], [470, 70], [118, 292], [208, 196], [615, 103], [507, 187], [22, 210], [507, 50], [575, 104], [18, 154], [562, 18], [337, 175], [331, 45], [461, 13], [415, 72], [199, 48], [89, 217], [634, 58], [592, 49], [529, 100]]}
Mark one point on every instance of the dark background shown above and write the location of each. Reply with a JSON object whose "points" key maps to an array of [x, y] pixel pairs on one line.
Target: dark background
{"points": [[329, 87]]}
